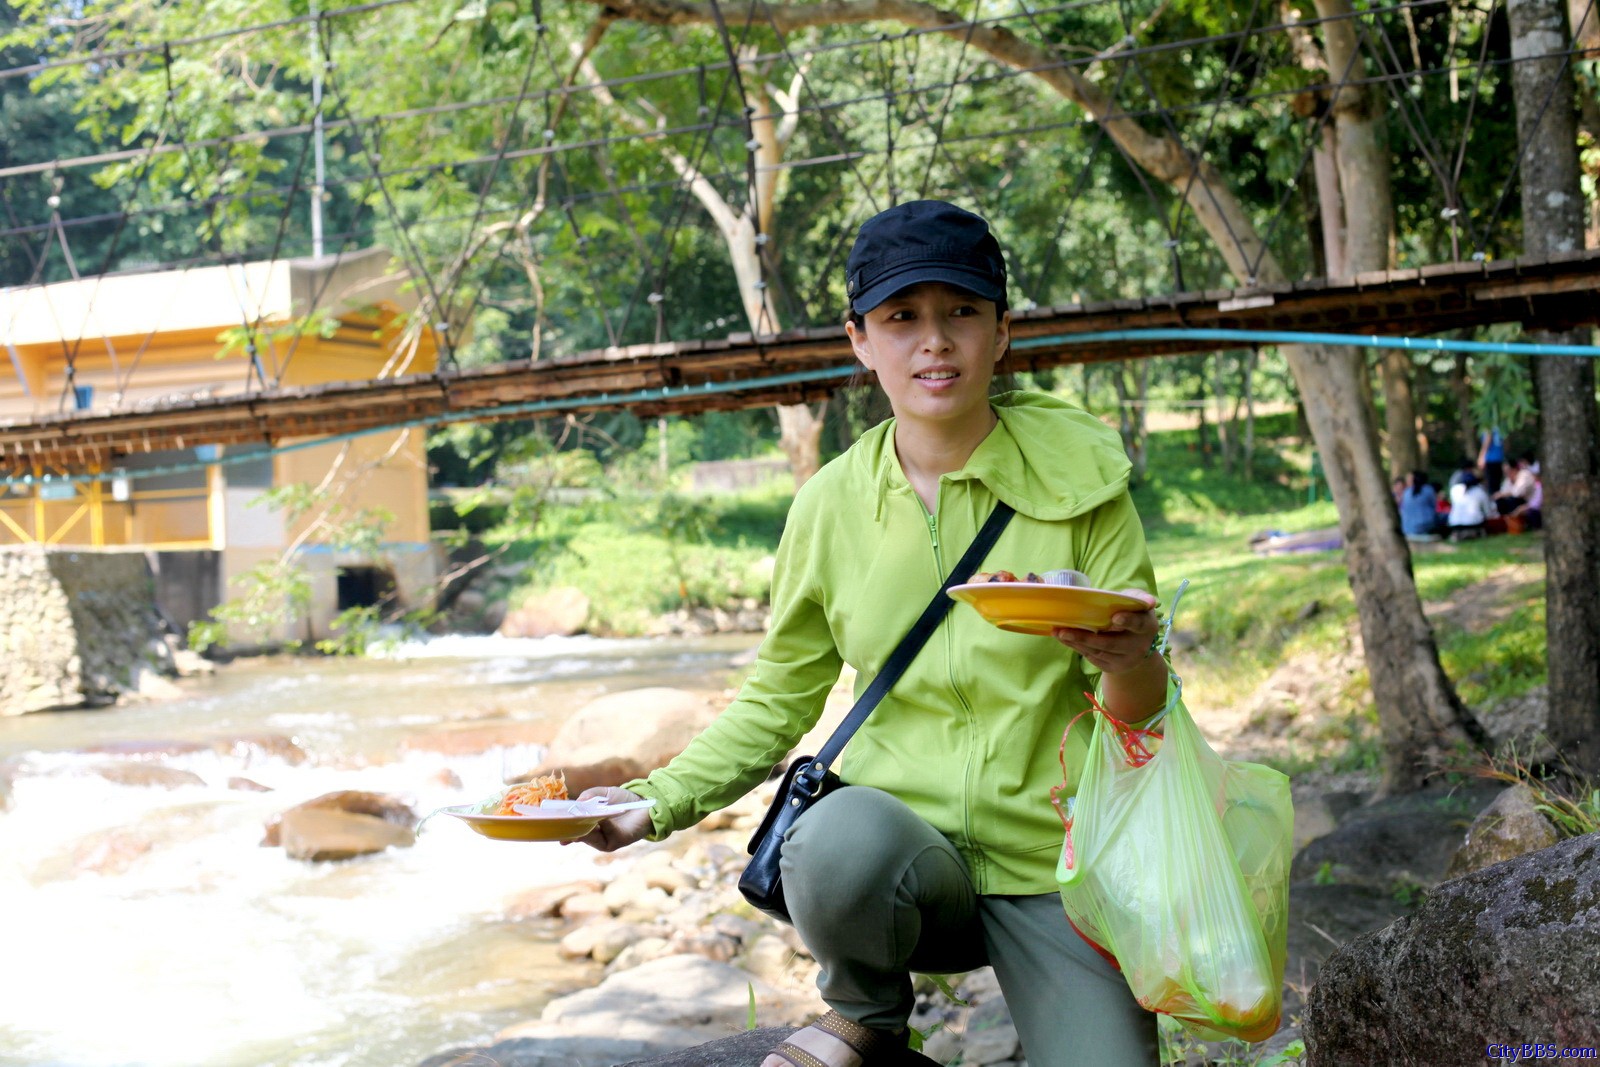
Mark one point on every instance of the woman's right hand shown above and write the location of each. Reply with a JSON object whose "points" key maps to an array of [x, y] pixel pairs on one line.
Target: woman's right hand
{"points": [[625, 829]]}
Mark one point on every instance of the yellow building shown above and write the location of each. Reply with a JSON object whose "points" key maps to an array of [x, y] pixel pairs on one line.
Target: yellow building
{"points": [[138, 341]]}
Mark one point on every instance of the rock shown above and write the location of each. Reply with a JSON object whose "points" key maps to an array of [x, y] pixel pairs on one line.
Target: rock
{"points": [[1522, 723], [110, 852], [144, 749], [251, 749], [580, 906], [990, 1036], [1407, 839], [546, 901], [1317, 815], [321, 834], [247, 785], [1505, 953], [673, 1002], [644, 728], [470, 738], [742, 1050], [1322, 918], [145, 775], [1511, 826], [641, 951], [376, 805], [559, 612], [604, 941], [580, 1051]]}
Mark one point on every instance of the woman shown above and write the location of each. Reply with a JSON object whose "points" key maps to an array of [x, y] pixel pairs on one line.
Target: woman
{"points": [[940, 854], [1419, 507], [1470, 509]]}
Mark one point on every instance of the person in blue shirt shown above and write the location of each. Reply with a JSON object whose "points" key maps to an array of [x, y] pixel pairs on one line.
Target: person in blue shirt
{"points": [[1491, 459], [1419, 509]]}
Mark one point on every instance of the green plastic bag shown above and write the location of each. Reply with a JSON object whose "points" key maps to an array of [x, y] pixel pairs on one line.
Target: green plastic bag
{"points": [[1176, 869]]}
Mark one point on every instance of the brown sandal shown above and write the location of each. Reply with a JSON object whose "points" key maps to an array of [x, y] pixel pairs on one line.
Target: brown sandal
{"points": [[875, 1047]]}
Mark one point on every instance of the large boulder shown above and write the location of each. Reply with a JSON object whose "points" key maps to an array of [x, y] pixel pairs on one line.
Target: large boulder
{"points": [[1510, 827], [627, 734], [320, 835], [378, 806], [1504, 954], [558, 612], [1406, 840], [671, 1002]]}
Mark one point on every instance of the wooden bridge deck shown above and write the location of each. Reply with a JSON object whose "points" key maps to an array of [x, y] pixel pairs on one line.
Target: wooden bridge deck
{"points": [[745, 371]]}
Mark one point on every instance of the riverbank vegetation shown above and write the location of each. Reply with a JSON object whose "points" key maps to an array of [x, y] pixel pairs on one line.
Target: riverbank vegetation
{"points": [[640, 541]]}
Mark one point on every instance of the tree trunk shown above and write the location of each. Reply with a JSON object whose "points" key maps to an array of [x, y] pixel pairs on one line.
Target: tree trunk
{"points": [[1569, 438], [1130, 417], [1419, 714], [1362, 159]]}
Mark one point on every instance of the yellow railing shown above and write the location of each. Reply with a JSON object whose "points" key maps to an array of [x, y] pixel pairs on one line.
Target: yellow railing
{"points": [[155, 518]]}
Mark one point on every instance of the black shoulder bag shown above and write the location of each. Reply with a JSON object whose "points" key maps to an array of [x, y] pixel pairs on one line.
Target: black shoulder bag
{"points": [[808, 778]]}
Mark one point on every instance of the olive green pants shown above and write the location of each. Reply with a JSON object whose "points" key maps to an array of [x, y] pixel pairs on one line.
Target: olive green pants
{"points": [[876, 893]]}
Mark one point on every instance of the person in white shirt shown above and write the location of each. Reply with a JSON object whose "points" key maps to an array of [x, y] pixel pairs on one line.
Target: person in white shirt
{"points": [[1470, 508], [1518, 488]]}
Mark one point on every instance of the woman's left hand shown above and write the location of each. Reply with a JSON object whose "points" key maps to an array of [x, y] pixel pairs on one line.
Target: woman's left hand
{"points": [[1123, 648]]}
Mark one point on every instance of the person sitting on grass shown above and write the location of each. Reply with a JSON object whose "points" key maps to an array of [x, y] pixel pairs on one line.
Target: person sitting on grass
{"points": [[1531, 509], [1518, 486], [1470, 509], [939, 855], [1419, 509]]}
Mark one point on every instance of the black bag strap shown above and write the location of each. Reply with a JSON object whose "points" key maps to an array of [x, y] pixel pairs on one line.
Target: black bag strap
{"points": [[914, 639]]}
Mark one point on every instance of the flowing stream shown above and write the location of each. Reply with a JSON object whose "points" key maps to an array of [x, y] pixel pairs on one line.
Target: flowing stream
{"points": [[146, 927]]}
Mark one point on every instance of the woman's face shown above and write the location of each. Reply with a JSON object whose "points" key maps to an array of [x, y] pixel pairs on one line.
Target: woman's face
{"points": [[934, 350]]}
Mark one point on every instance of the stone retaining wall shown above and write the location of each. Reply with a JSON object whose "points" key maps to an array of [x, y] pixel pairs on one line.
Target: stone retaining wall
{"points": [[76, 627]]}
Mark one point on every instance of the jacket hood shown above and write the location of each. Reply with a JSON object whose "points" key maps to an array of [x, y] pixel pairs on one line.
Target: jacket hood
{"points": [[1048, 459]]}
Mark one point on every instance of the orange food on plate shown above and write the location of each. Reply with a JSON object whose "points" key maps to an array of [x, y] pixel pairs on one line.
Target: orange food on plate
{"points": [[532, 794]]}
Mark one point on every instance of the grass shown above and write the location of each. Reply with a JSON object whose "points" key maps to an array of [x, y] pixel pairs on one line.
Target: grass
{"points": [[636, 559]]}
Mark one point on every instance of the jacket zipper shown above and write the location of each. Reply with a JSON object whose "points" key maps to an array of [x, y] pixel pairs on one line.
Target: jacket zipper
{"points": [[974, 857]]}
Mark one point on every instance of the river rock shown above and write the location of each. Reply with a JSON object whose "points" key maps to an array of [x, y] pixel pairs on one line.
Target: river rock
{"points": [[1505, 953], [1512, 826], [472, 738], [320, 834], [545, 902], [672, 1002], [584, 1051], [252, 749], [559, 612], [145, 775], [990, 1035], [354, 801], [643, 728], [742, 1050]]}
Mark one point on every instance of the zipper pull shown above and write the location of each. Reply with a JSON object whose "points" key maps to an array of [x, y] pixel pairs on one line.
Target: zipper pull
{"points": [[933, 530]]}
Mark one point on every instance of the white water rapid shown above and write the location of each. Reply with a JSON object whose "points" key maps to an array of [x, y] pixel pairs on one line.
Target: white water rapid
{"points": [[143, 926]]}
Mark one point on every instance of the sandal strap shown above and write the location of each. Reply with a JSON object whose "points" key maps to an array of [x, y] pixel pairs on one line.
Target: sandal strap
{"points": [[797, 1056], [866, 1041]]}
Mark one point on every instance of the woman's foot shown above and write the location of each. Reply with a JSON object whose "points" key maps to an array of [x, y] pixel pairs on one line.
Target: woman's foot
{"points": [[820, 1046], [834, 1041]]}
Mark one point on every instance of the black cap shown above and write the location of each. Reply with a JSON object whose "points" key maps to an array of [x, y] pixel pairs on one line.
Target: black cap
{"points": [[923, 241]]}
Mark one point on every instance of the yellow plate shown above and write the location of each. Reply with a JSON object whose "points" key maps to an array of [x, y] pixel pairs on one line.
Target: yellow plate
{"points": [[523, 828], [1034, 608]]}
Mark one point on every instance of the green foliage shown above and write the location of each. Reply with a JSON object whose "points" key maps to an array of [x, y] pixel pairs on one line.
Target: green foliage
{"points": [[1324, 874], [272, 595]]}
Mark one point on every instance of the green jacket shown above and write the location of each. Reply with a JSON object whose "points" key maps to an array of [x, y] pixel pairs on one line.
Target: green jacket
{"points": [[971, 736]]}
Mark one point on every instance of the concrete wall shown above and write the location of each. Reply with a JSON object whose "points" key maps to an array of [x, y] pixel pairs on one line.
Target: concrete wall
{"points": [[76, 627]]}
